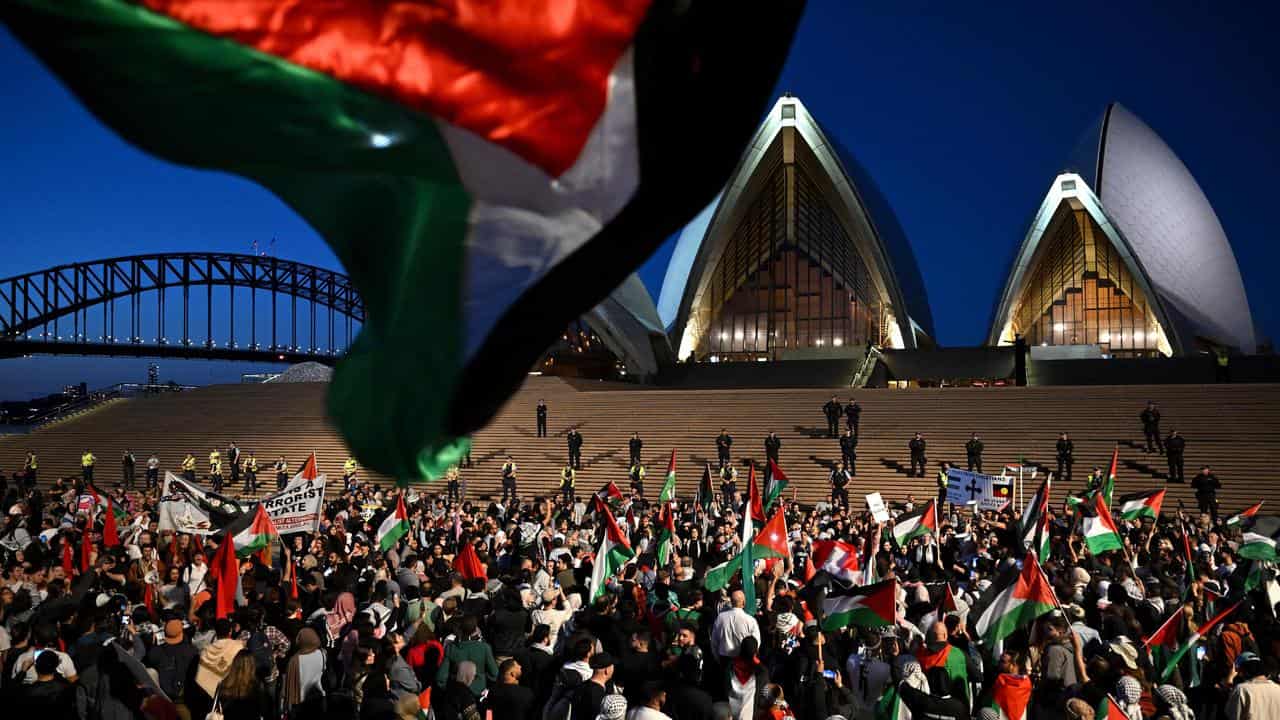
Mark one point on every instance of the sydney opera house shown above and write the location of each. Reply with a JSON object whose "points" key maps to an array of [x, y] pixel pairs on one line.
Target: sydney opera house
{"points": [[801, 257]]}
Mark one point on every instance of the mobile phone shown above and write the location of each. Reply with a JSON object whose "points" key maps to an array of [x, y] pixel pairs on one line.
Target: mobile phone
{"points": [[1200, 651], [829, 674]]}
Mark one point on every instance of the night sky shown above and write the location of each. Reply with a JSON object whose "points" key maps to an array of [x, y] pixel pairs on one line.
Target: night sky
{"points": [[962, 112]]}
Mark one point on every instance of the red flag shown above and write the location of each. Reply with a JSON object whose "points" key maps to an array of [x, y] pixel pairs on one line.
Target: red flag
{"points": [[86, 550], [467, 563], [424, 699], [226, 570], [110, 533], [756, 506], [309, 471], [809, 570], [148, 598], [68, 563], [293, 581]]}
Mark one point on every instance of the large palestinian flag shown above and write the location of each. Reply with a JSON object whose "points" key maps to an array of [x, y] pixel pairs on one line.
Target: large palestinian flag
{"points": [[486, 171], [253, 533], [1243, 515], [1035, 522], [1014, 601], [1100, 531], [869, 606], [912, 525], [1260, 541], [1141, 505], [615, 551]]}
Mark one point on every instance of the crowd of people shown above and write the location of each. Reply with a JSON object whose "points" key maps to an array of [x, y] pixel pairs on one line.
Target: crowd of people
{"points": [[498, 608]]}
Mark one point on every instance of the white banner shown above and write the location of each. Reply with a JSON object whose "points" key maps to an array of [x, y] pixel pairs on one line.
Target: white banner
{"points": [[298, 507], [875, 504], [179, 510], [987, 492]]}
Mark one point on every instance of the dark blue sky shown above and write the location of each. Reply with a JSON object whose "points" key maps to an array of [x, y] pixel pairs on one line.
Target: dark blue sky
{"points": [[962, 112]]}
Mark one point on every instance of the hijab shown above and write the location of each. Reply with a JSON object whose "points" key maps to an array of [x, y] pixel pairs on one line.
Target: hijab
{"points": [[466, 673], [343, 612], [308, 642]]}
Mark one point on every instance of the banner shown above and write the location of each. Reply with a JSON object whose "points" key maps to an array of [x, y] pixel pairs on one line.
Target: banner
{"points": [[298, 507], [188, 508], [875, 504], [987, 492]]}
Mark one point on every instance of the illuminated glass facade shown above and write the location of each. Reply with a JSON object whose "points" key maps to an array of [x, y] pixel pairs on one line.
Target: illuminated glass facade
{"points": [[1080, 292]]}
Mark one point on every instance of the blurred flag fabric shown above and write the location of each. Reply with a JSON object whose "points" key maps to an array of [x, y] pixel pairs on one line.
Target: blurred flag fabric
{"points": [[485, 171]]}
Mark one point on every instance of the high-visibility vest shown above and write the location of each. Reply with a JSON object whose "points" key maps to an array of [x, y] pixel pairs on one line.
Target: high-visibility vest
{"points": [[215, 467], [87, 460], [349, 467], [637, 472], [188, 463], [508, 469], [251, 464], [567, 477], [32, 462], [214, 457]]}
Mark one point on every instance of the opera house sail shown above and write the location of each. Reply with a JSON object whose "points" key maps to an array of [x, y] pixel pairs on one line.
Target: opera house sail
{"points": [[1125, 256], [799, 258]]}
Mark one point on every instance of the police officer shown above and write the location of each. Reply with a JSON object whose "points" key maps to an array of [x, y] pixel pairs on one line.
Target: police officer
{"points": [[453, 479], [574, 440], [724, 442], [127, 465], [215, 470], [635, 445], [233, 459], [943, 480], [849, 452], [1066, 456], [832, 410], [1151, 428], [568, 480], [637, 473], [728, 486], [153, 471], [1174, 446], [542, 418], [189, 468], [917, 446], [772, 445], [852, 415], [86, 466], [839, 492], [1207, 485], [30, 466], [251, 473], [509, 479], [973, 451], [349, 469], [282, 472]]}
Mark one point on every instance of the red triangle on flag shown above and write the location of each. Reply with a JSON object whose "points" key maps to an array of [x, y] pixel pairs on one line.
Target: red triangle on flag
{"points": [[776, 473], [1032, 585], [772, 538], [756, 505], [1169, 634], [309, 469]]}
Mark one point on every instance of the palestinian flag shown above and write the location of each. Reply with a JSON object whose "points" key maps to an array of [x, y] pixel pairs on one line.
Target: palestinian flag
{"points": [[1035, 522], [1014, 601], [1192, 640], [110, 528], [394, 526], [770, 542], [485, 171], [947, 603], [309, 470], [891, 706], [669, 485], [615, 551], [666, 534], [951, 659], [1243, 515], [1259, 542], [1011, 696], [777, 484], [225, 569], [706, 494], [1109, 709], [255, 535], [839, 559], [868, 606], [1141, 505], [1164, 642], [755, 502], [1100, 532], [912, 525], [1109, 485]]}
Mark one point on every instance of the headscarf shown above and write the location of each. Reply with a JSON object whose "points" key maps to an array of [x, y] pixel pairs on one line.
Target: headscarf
{"points": [[1172, 701], [466, 673], [614, 707], [912, 673], [987, 713], [1129, 695], [343, 612], [307, 642]]}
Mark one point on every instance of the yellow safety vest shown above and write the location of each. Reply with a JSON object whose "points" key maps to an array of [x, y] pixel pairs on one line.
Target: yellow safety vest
{"points": [[32, 462], [349, 466], [188, 463], [251, 465], [87, 460], [637, 472], [215, 467], [567, 477]]}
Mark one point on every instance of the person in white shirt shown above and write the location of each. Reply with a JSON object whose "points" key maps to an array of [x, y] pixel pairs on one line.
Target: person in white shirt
{"points": [[655, 697], [554, 613], [731, 626], [44, 636]]}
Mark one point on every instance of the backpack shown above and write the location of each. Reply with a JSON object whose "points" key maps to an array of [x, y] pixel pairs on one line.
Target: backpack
{"points": [[562, 692]]}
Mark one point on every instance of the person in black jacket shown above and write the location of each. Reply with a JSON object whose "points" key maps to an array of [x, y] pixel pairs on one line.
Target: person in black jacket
{"points": [[574, 440], [832, 410], [1066, 459], [724, 442], [509, 699], [839, 492], [852, 415], [1207, 485], [635, 445], [849, 452], [917, 446], [542, 418], [1174, 446], [1151, 428], [973, 452]]}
